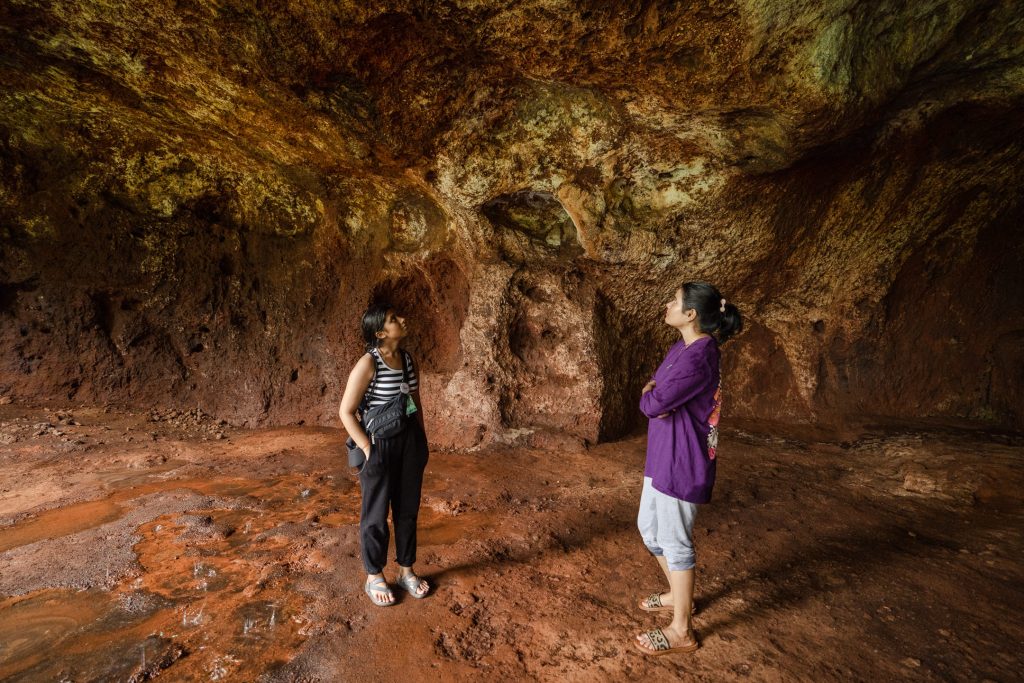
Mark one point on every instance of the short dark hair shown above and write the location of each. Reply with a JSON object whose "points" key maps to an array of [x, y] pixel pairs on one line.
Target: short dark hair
{"points": [[373, 322], [707, 301]]}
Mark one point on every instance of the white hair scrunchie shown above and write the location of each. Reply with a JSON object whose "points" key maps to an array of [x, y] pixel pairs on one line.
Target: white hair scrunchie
{"points": [[722, 309]]}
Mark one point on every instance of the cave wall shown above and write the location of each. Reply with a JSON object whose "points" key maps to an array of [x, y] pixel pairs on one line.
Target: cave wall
{"points": [[198, 199]]}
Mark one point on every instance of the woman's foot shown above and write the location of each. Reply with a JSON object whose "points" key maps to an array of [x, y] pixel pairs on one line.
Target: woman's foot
{"points": [[662, 603], [662, 641], [417, 587], [377, 588]]}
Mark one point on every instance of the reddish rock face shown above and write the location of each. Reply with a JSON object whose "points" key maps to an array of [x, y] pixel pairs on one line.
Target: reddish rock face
{"points": [[197, 201]]}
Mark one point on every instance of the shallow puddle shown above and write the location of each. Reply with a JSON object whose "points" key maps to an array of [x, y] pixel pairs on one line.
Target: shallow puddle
{"points": [[31, 628], [214, 598], [60, 522], [91, 514]]}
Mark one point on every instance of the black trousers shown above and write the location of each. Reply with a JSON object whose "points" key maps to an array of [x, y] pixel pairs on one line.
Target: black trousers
{"points": [[392, 477]]}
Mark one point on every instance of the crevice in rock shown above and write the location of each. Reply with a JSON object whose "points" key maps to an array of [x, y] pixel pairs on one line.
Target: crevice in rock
{"points": [[536, 216]]}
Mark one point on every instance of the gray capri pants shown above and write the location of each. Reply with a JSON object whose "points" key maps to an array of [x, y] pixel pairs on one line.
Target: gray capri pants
{"points": [[666, 525]]}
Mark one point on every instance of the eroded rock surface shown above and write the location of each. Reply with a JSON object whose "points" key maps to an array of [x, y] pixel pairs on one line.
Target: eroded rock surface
{"points": [[198, 199]]}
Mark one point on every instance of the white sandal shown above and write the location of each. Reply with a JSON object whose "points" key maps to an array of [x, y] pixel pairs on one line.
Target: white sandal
{"points": [[411, 583], [377, 594]]}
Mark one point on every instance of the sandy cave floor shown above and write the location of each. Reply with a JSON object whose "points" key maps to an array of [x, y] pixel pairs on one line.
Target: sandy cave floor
{"points": [[135, 545]]}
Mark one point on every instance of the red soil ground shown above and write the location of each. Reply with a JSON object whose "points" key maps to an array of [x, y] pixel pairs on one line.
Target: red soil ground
{"points": [[142, 545]]}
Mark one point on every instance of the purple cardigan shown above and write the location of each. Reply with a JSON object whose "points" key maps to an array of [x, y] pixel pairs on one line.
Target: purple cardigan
{"points": [[681, 447]]}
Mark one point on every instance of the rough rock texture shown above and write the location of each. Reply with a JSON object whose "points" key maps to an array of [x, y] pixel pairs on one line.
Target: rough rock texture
{"points": [[197, 199]]}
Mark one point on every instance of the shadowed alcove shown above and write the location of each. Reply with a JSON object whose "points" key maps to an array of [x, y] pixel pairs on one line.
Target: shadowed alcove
{"points": [[433, 297]]}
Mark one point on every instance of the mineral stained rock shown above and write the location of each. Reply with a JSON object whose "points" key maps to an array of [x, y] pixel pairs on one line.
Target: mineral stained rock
{"points": [[197, 200]]}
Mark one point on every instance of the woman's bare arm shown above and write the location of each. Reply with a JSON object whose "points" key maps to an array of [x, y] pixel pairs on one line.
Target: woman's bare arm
{"points": [[357, 384]]}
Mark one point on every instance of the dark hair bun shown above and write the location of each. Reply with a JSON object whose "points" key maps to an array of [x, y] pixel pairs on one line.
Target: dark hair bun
{"points": [[707, 301]]}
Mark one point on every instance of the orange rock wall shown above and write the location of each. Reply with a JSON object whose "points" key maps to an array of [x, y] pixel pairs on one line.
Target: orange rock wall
{"points": [[198, 199]]}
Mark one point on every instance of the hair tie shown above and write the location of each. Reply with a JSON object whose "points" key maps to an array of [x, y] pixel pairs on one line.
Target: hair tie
{"points": [[722, 309]]}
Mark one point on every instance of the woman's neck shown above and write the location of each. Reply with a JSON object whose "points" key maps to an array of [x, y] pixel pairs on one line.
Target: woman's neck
{"points": [[691, 333], [388, 348]]}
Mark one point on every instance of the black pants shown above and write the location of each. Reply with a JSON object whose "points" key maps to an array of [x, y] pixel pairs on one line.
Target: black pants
{"points": [[392, 476]]}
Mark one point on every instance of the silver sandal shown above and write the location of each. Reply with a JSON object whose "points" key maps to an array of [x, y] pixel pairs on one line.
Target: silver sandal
{"points": [[410, 583], [376, 594]]}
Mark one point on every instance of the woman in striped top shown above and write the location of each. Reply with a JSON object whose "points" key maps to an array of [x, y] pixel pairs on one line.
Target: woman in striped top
{"points": [[393, 473]]}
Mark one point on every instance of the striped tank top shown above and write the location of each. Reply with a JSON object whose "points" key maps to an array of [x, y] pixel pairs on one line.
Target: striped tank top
{"points": [[388, 381]]}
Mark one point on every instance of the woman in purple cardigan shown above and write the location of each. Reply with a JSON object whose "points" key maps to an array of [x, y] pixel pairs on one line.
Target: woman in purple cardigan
{"points": [[683, 401]]}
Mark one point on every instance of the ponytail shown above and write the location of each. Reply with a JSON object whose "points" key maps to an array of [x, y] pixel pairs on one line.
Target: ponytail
{"points": [[373, 322], [731, 323], [715, 315]]}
